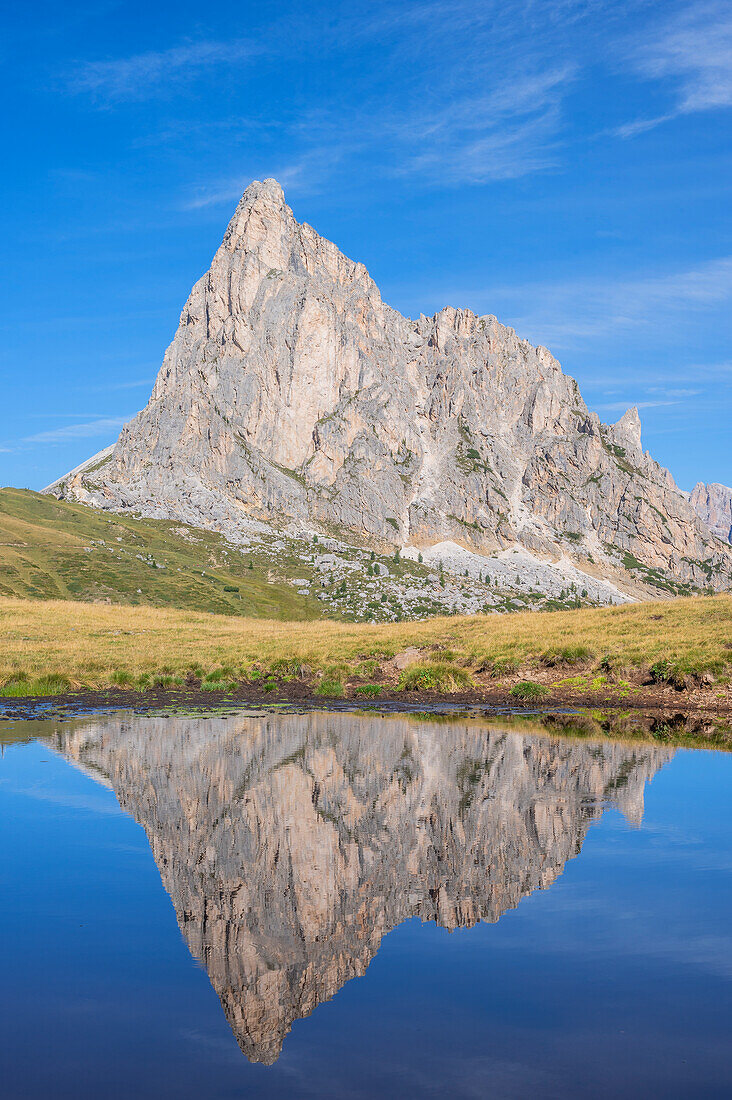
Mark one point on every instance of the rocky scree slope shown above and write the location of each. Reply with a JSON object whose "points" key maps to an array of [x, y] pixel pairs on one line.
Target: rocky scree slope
{"points": [[293, 394]]}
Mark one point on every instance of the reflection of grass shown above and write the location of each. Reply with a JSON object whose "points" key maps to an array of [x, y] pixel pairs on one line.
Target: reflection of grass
{"points": [[600, 726], [98, 645]]}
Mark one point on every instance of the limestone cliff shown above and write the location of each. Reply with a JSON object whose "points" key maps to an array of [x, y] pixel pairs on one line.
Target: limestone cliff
{"points": [[713, 504], [291, 844], [292, 393]]}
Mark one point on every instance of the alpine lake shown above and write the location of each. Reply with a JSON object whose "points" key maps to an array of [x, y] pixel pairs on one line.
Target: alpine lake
{"points": [[311, 903]]}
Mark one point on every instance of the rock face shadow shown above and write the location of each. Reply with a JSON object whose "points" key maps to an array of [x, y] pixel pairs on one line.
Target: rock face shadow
{"points": [[291, 844]]}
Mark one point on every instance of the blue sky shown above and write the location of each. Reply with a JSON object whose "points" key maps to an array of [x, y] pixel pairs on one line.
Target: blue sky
{"points": [[565, 165]]}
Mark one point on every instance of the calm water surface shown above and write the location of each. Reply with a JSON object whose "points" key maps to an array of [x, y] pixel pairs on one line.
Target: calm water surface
{"points": [[333, 905]]}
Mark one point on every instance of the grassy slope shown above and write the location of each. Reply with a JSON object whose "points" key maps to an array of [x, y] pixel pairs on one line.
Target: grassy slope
{"points": [[45, 553], [96, 644]]}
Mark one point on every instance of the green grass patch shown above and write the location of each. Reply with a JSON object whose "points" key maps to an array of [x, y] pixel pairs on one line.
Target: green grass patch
{"points": [[527, 689], [288, 669], [58, 550], [19, 687], [435, 676], [567, 655], [121, 678], [330, 688]]}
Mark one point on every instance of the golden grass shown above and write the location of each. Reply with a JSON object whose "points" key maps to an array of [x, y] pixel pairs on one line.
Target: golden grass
{"points": [[95, 644]]}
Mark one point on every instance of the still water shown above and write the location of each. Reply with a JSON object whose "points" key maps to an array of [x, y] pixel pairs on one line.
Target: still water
{"points": [[340, 905]]}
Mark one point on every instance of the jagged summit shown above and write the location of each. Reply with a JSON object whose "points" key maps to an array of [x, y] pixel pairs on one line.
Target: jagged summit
{"points": [[292, 393], [270, 186]]}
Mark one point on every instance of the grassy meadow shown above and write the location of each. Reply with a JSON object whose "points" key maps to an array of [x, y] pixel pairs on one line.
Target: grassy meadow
{"points": [[52, 646], [52, 549]]}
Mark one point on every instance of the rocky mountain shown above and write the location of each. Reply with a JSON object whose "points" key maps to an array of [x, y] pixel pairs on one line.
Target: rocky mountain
{"points": [[291, 844], [713, 504], [293, 395]]}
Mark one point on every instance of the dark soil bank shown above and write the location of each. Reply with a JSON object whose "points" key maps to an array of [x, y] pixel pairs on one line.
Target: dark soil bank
{"points": [[684, 717]]}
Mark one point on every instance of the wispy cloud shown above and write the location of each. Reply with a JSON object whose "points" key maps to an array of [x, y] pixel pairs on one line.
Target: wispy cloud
{"points": [[138, 383], [295, 177], [502, 134], [87, 429], [491, 110], [499, 126], [694, 51], [67, 416], [145, 74], [674, 391], [641, 125], [621, 406], [655, 382], [563, 314]]}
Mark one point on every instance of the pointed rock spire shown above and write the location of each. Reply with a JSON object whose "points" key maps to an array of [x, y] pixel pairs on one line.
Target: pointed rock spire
{"points": [[627, 430]]}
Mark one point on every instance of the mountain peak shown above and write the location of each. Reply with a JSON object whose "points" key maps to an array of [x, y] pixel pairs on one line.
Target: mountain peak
{"points": [[269, 187], [262, 223], [292, 393]]}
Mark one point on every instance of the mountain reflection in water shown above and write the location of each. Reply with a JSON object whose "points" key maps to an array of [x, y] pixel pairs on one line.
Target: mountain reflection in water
{"points": [[290, 844]]}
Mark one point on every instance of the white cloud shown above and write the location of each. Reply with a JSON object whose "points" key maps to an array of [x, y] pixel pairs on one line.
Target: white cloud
{"points": [[230, 190], [673, 391], [563, 314], [700, 372], [503, 134], [218, 192], [88, 429], [621, 406], [131, 385], [694, 51], [495, 124], [641, 125], [144, 74]]}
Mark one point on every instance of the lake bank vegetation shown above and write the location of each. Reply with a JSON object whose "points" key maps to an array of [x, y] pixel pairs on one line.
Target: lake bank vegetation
{"points": [[660, 651]]}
